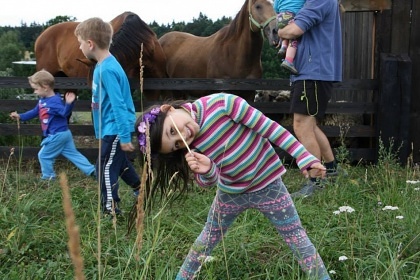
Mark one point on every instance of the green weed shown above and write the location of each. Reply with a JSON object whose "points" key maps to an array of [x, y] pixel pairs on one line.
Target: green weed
{"points": [[365, 226]]}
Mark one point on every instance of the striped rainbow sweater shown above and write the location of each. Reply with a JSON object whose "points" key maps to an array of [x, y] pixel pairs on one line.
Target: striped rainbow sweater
{"points": [[236, 137]]}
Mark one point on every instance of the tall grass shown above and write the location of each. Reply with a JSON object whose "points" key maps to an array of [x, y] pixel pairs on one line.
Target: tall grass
{"points": [[375, 237]]}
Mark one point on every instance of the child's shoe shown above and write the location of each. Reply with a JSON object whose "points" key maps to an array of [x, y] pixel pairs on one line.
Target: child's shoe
{"points": [[289, 66], [282, 52], [110, 214]]}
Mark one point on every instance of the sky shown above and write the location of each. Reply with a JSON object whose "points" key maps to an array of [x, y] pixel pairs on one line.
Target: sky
{"points": [[16, 12]]}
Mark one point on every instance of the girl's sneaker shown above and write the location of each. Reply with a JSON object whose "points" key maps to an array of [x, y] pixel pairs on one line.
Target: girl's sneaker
{"points": [[282, 52], [289, 66]]}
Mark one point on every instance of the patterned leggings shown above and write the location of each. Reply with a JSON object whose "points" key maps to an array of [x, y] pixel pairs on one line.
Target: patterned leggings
{"points": [[275, 203]]}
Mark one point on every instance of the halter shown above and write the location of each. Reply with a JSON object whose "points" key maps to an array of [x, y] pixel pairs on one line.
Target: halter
{"points": [[256, 23]]}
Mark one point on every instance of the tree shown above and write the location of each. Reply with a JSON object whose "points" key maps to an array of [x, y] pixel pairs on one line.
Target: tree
{"points": [[271, 63], [59, 19], [10, 48], [28, 35], [159, 29]]}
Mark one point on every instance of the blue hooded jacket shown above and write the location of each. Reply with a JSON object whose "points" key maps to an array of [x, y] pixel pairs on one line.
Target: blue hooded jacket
{"points": [[319, 52]]}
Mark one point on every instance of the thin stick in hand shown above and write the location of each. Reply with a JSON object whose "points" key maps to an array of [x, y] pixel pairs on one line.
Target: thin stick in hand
{"points": [[177, 130]]}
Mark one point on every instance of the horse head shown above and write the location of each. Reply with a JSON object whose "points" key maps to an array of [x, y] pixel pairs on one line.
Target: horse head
{"points": [[263, 18], [134, 39]]}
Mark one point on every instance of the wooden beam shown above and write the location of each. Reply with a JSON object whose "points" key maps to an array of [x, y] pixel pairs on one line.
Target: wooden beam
{"points": [[365, 5]]}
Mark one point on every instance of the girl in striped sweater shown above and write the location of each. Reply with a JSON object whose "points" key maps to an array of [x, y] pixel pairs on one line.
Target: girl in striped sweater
{"points": [[227, 143]]}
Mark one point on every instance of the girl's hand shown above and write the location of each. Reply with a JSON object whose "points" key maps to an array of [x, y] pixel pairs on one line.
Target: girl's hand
{"points": [[198, 163], [315, 170]]}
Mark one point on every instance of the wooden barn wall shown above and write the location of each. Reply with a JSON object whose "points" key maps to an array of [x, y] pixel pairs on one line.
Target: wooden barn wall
{"points": [[368, 34], [414, 54], [358, 53], [398, 33]]}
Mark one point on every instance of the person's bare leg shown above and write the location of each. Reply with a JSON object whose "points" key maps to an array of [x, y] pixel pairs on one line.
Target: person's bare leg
{"points": [[290, 53], [315, 141], [324, 145], [305, 129]]}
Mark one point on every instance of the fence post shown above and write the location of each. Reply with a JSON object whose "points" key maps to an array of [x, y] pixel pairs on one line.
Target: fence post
{"points": [[393, 118]]}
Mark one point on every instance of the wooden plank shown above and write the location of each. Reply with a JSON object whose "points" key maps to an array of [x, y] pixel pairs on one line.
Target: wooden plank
{"points": [[400, 33], [35, 130], [404, 75], [195, 84], [363, 5], [87, 130], [414, 54], [9, 105], [394, 102], [356, 155]]}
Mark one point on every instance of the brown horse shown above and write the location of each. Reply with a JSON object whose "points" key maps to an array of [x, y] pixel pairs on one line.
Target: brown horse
{"points": [[232, 52], [57, 50]]}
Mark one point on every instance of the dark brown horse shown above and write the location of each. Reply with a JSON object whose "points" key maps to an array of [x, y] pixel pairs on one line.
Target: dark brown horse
{"points": [[232, 52], [57, 50]]}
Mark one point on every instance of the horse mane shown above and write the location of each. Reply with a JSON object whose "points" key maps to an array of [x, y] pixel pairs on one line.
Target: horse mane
{"points": [[126, 42], [232, 30]]}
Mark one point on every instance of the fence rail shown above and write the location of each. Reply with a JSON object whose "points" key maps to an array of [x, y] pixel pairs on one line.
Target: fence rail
{"points": [[385, 113], [366, 131]]}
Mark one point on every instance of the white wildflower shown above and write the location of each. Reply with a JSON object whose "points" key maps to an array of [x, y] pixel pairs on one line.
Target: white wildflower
{"points": [[399, 217], [336, 212], [413, 182], [390, 208], [346, 209], [332, 272], [342, 258], [416, 189]]}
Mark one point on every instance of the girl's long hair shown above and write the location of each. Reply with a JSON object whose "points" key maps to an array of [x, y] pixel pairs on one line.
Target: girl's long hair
{"points": [[170, 171]]}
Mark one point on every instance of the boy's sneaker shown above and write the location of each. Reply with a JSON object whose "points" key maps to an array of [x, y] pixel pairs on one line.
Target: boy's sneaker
{"points": [[110, 214], [136, 193], [289, 66], [93, 175], [308, 189]]}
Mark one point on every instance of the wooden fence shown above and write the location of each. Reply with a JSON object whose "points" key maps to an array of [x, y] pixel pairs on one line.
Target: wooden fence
{"points": [[383, 115]]}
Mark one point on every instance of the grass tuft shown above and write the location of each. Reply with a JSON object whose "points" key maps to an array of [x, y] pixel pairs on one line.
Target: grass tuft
{"points": [[365, 226]]}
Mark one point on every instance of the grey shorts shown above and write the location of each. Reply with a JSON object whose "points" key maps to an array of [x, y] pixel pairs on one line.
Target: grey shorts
{"points": [[310, 98]]}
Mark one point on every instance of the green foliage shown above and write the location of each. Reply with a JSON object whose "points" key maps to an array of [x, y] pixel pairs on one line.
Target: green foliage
{"points": [[59, 19], [271, 63], [28, 35], [11, 49], [33, 239]]}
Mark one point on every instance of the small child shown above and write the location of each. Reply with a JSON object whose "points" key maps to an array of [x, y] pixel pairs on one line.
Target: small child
{"points": [[286, 11], [113, 113], [53, 114], [227, 143]]}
